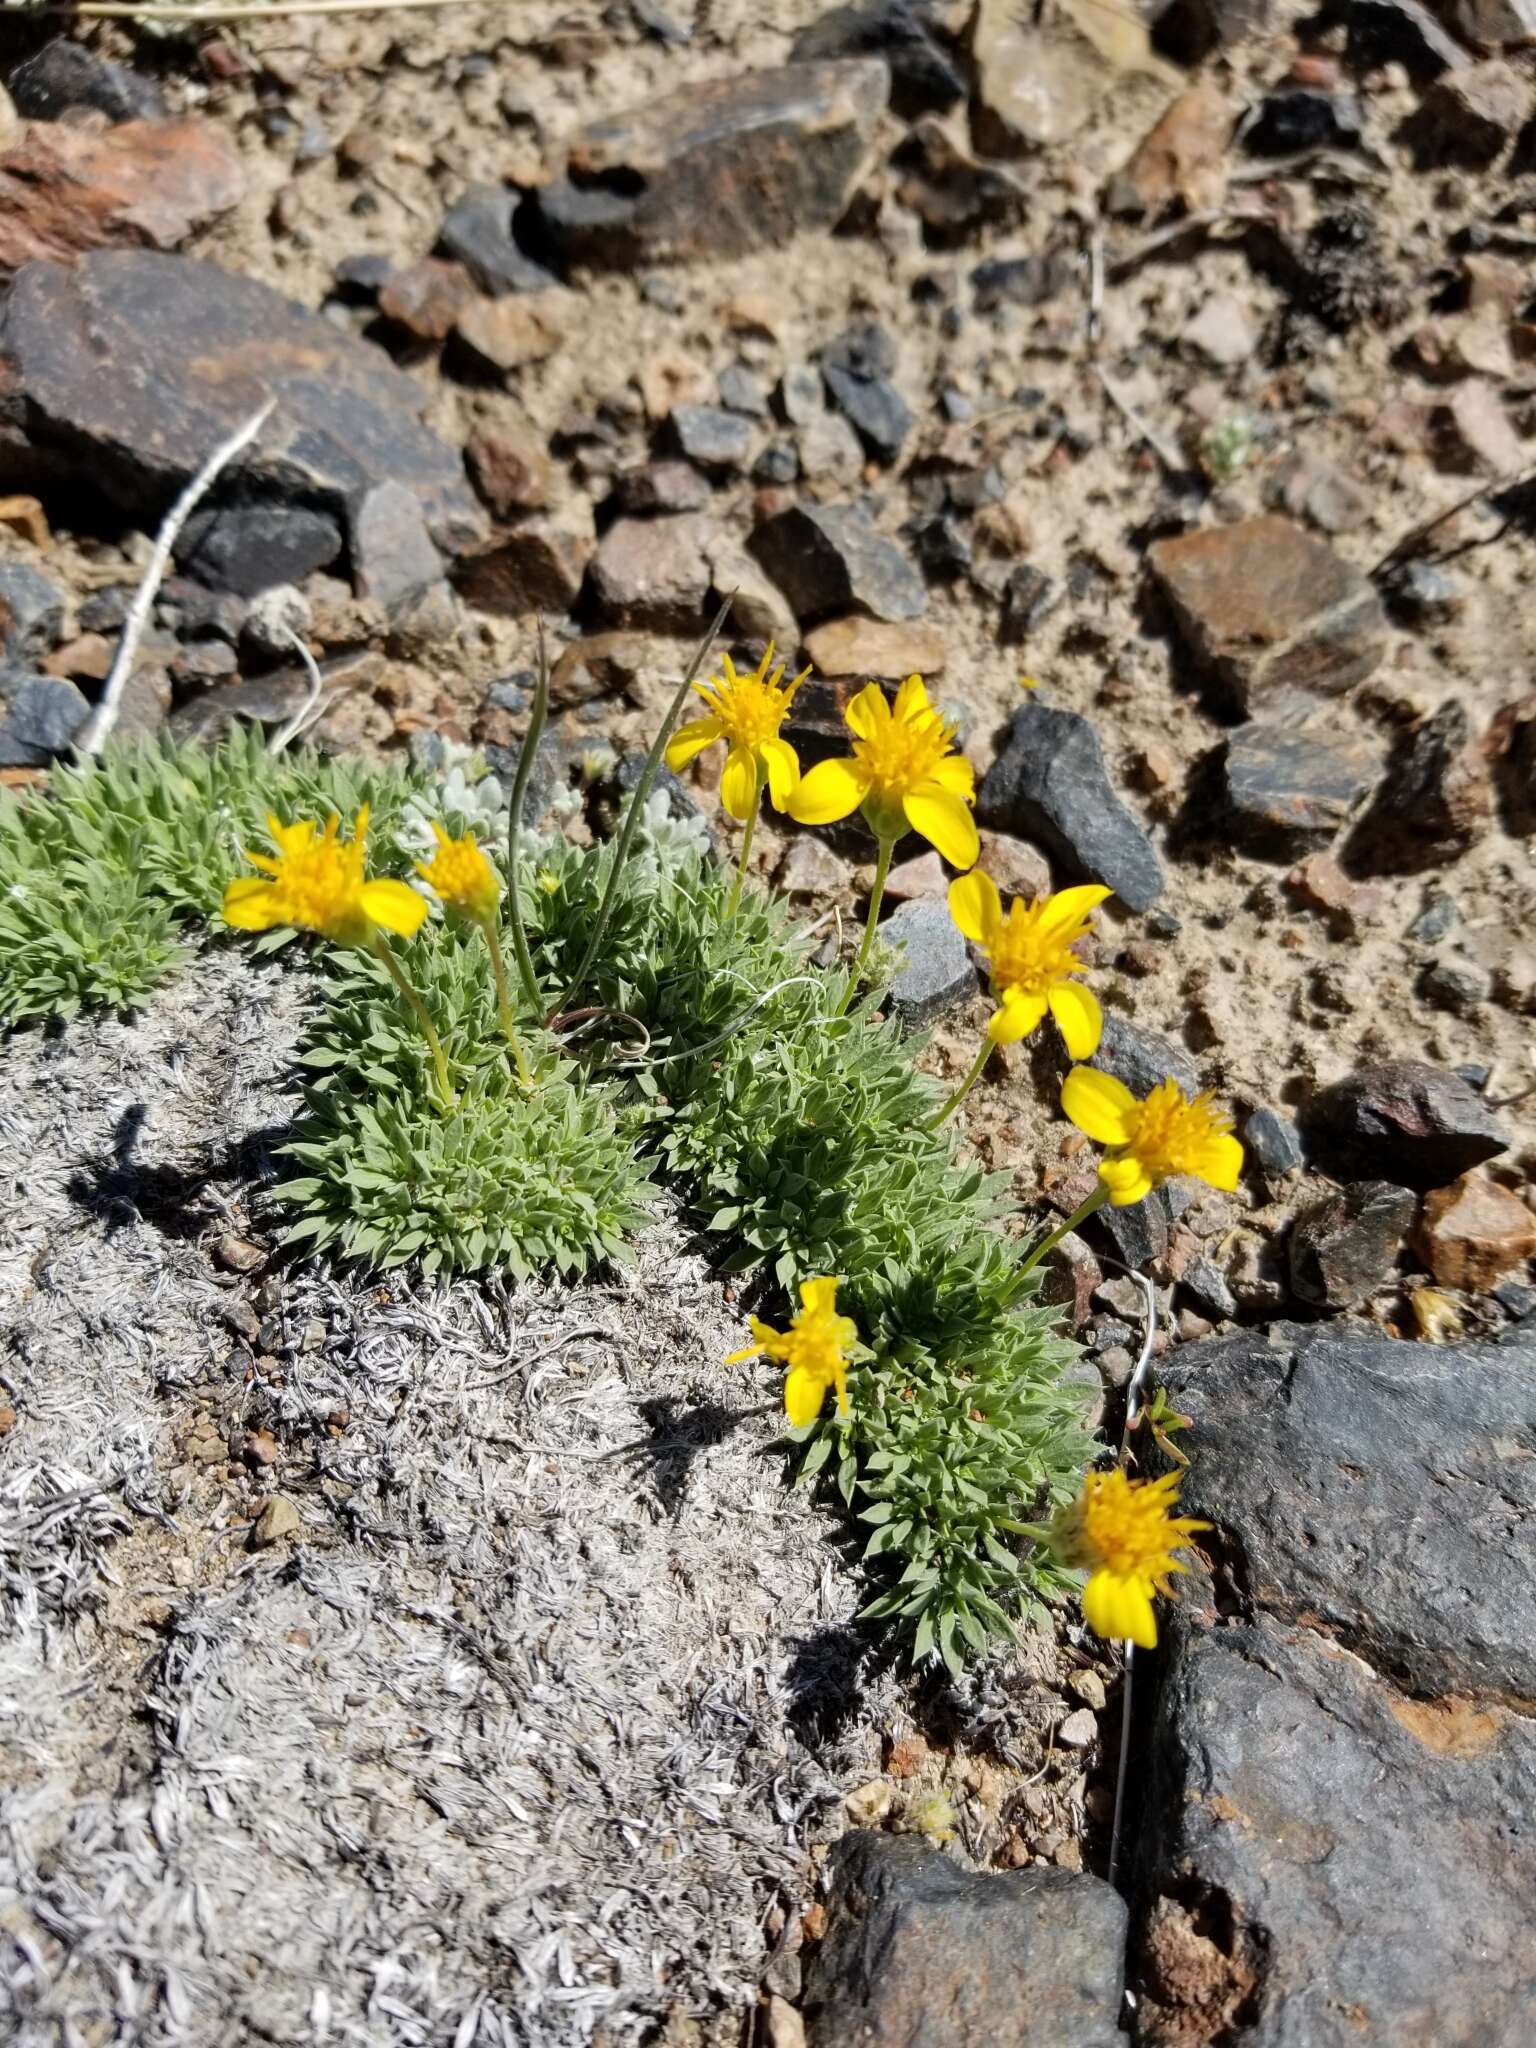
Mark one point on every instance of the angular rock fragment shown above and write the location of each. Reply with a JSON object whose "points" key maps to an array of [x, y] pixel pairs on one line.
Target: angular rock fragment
{"points": [[936, 971], [832, 558], [41, 715], [247, 547], [660, 487], [1416, 1122], [509, 333], [511, 471], [718, 169], [538, 566], [1272, 1143], [65, 189], [652, 572], [125, 372], [477, 232], [707, 435], [393, 559], [905, 35], [31, 612], [1474, 1232], [1266, 607], [1049, 784], [1022, 1959], [1286, 790], [65, 74], [1470, 116], [1345, 1247], [1434, 802], [425, 298]]}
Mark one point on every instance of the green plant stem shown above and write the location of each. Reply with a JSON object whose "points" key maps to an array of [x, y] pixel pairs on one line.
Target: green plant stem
{"points": [[423, 1017], [1094, 1203], [504, 1005], [632, 815], [538, 713], [746, 843], [876, 896], [965, 1087]]}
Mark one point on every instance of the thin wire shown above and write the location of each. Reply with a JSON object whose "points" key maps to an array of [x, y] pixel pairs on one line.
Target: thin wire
{"points": [[1132, 1417]]}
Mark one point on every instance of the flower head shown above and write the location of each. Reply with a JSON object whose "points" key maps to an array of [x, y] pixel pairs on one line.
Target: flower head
{"points": [[903, 772], [814, 1348], [746, 712], [316, 884], [1123, 1533], [1030, 959], [461, 877], [1151, 1141]]}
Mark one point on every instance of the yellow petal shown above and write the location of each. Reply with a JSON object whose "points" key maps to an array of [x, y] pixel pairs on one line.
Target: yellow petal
{"points": [[691, 739], [738, 783], [1221, 1162], [804, 1393], [976, 907], [1103, 1108], [1070, 907], [867, 712], [1127, 1187], [741, 1357], [394, 905], [1078, 1018], [945, 822], [832, 790], [360, 825], [783, 766], [252, 905], [1015, 1017], [956, 774], [911, 699], [1120, 1610], [815, 1294]]}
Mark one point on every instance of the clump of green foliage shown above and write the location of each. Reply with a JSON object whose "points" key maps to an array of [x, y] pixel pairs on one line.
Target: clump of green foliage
{"points": [[97, 875]]}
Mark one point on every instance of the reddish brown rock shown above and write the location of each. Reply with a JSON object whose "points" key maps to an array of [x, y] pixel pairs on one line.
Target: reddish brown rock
{"points": [[1474, 1232], [1265, 607], [653, 572], [426, 298], [538, 566], [1185, 156], [1018, 868], [509, 333], [511, 471], [875, 651], [66, 189], [718, 169], [1473, 434], [602, 666]]}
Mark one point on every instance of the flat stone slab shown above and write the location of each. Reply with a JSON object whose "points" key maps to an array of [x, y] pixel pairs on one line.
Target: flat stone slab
{"points": [[128, 369]]}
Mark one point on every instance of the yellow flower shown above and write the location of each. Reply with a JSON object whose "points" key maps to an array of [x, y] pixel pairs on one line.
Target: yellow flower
{"points": [[903, 772], [813, 1348], [1030, 959], [1123, 1533], [746, 712], [317, 885], [1151, 1141], [462, 877]]}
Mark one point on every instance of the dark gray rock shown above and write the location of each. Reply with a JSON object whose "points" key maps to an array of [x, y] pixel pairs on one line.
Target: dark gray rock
{"points": [[477, 232], [1345, 1247], [1375, 1489], [919, 1953], [267, 700], [741, 392], [779, 463], [1401, 32], [31, 613], [1029, 598], [831, 559], [1273, 1143], [1050, 785], [936, 973], [660, 487], [709, 436], [1142, 1059], [1300, 117], [84, 356], [393, 559], [247, 548], [1020, 280], [874, 408], [718, 169], [1437, 916], [1456, 983], [1206, 1286], [1434, 802], [64, 74], [924, 77], [1138, 1232], [41, 717], [1416, 1122], [1285, 791], [1322, 1857]]}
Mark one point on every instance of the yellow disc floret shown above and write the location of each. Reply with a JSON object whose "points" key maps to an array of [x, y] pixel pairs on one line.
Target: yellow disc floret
{"points": [[1123, 1533], [746, 712], [461, 877], [903, 773], [814, 1348], [1152, 1141], [1031, 959]]}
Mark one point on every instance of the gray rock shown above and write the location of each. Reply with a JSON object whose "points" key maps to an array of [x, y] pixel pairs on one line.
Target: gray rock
{"points": [[1273, 1143], [1286, 791], [829, 559], [660, 487], [1416, 1122], [1050, 785], [1020, 280], [829, 450], [42, 716], [273, 617], [811, 868], [1029, 598], [1426, 593], [741, 392], [477, 232], [874, 408], [1320, 1855], [1434, 802], [31, 613], [937, 973], [718, 169], [800, 395], [1142, 1059], [652, 572], [393, 559], [709, 436], [247, 548], [83, 352], [64, 74], [1437, 916], [1454, 982], [1138, 1232], [779, 463], [1345, 1247], [1267, 608], [924, 78], [921, 1953], [1206, 1285], [1376, 1490]]}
